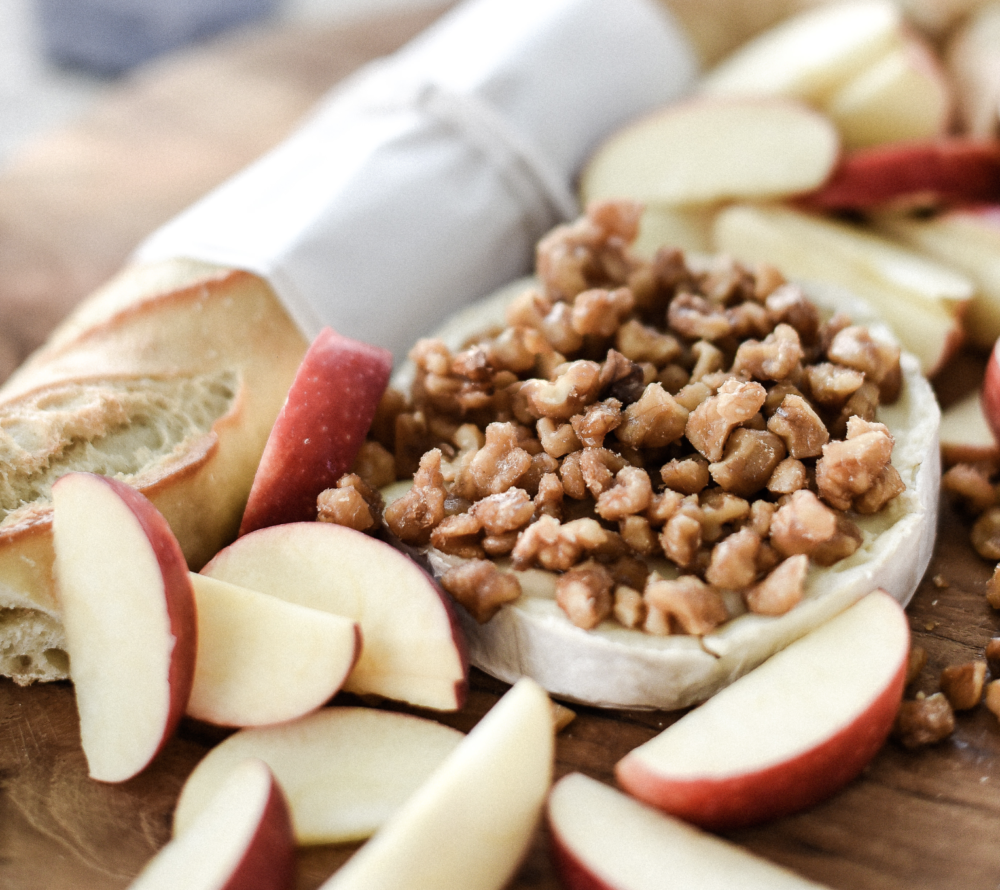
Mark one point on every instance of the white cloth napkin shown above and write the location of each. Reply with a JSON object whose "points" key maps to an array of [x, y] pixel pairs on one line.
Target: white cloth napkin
{"points": [[426, 180]]}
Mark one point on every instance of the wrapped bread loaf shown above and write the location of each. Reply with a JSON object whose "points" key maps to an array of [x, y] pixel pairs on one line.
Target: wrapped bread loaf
{"points": [[170, 378]]}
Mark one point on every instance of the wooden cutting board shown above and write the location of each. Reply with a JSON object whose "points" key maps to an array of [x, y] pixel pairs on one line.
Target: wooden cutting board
{"points": [[73, 207]]}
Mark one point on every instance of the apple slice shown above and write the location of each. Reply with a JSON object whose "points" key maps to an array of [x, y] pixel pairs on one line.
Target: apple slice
{"points": [[708, 150], [786, 735], [810, 54], [966, 435], [241, 841], [413, 650], [602, 839], [908, 174], [968, 240], [129, 616], [329, 408], [469, 826], [686, 228], [972, 58], [344, 770], [920, 299], [263, 660], [905, 95], [991, 391]]}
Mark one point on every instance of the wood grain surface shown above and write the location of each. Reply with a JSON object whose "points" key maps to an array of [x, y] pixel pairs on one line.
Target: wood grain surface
{"points": [[73, 207]]}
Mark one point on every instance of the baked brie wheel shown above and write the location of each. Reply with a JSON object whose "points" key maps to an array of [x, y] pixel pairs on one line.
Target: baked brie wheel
{"points": [[639, 479]]}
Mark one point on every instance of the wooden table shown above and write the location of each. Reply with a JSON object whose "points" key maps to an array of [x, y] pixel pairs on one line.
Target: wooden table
{"points": [[72, 209]]}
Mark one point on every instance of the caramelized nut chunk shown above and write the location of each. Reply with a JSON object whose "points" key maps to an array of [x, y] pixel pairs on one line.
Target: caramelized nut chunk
{"points": [[855, 347], [375, 464], [887, 485], [481, 588], [695, 317], [681, 537], [963, 684], [711, 422], [584, 594], [799, 426], [640, 343], [458, 535], [924, 721], [720, 509], [345, 506], [801, 524], [970, 485], [629, 607], [748, 462], [655, 420], [986, 536], [774, 358], [832, 385], [500, 462], [790, 475], [709, 359], [915, 663], [411, 517], [599, 312], [846, 539], [630, 494], [786, 303], [734, 560], [849, 467], [575, 388], [689, 604], [992, 698], [638, 535], [504, 512], [550, 545], [688, 476], [781, 589], [558, 439], [597, 421]]}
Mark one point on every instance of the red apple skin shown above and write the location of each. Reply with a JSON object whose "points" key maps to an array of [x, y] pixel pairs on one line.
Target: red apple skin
{"points": [[330, 406], [941, 171], [269, 863], [573, 874], [179, 597], [991, 392], [740, 801]]}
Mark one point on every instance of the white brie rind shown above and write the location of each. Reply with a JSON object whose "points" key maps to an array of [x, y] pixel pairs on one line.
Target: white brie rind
{"points": [[614, 667]]}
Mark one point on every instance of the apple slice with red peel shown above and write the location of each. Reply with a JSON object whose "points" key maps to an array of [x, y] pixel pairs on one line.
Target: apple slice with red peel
{"points": [[602, 839], [991, 391], [263, 660], [788, 734], [905, 95], [129, 616], [972, 57], [413, 649], [469, 826], [707, 150], [810, 54], [920, 299], [241, 841], [329, 408], [967, 239], [344, 770], [966, 435], [907, 174]]}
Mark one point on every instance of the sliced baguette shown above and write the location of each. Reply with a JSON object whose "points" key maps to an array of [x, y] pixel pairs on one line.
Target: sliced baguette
{"points": [[169, 378]]}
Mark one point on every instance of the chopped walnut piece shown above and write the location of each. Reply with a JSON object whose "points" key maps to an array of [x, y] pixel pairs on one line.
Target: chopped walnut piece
{"points": [[412, 516], [915, 663], [681, 536], [924, 721], [849, 467], [695, 317], [656, 419], [630, 494], [846, 539], [773, 358], [734, 560], [688, 476], [345, 506], [629, 607], [992, 698], [596, 422], [986, 537], [855, 347], [801, 524], [781, 589], [749, 459], [710, 424], [458, 535], [767, 279], [561, 716], [599, 312], [375, 464], [640, 343], [500, 462], [558, 439], [789, 305], [481, 588], [557, 547], [584, 594], [598, 467], [504, 512], [832, 385], [687, 602], [970, 485], [718, 509], [886, 486], [709, 359], [799, 426], [788, 476], [575, 388], [963, 684]]}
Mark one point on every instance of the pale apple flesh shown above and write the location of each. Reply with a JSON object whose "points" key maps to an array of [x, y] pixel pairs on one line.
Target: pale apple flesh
{"points": [[991, 392], [317, 434], [344, 770], [602, 839], [413, 650], [469, 826], [129, 616], [787, 735], [708, 150], [242, 840], [966, 434], [263, 660]]}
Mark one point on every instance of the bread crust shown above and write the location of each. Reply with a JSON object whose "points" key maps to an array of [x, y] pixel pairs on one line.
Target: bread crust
{"points": [[204, 356]]}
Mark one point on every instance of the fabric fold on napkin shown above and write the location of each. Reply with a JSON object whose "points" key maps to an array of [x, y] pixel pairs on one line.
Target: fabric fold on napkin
{"points": [[426, 179]]}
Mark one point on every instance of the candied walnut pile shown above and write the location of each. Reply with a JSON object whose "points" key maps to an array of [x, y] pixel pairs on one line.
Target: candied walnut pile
{"points": [[638, 413]]}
